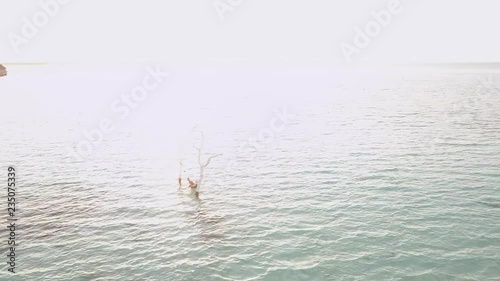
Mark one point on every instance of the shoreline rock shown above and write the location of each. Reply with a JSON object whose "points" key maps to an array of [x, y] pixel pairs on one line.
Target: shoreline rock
{"points": [[3, 71]]}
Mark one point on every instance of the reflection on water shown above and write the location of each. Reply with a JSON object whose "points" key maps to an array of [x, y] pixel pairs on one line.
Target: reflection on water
{"points": [[380, 177]]}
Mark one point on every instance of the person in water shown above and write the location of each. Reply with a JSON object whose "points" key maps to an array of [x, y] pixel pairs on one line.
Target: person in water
{"points": [[192, 184], [180, 181]]}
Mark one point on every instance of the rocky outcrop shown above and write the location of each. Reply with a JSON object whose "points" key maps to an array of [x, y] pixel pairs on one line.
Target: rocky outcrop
{"points": [[3, 70]]}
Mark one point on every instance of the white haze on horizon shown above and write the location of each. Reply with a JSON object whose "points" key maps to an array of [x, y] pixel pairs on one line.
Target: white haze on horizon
{"points": [[255, 33]]}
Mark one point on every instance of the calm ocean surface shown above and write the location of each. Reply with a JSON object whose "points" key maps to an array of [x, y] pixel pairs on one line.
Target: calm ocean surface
{"points": [[376, 175]]}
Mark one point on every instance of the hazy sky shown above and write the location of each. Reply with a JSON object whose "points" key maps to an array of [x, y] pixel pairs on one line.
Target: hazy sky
{"points": [[255, 32]]}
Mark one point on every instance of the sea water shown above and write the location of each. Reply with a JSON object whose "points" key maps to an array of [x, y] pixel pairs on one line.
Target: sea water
{"points": [[373, 174]]}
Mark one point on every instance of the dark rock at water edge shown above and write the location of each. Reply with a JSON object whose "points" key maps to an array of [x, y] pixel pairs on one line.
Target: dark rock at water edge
{"points": [[3, 70]]}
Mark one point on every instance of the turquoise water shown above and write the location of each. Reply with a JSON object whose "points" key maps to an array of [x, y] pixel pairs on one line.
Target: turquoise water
{"points": [[378, 176]]}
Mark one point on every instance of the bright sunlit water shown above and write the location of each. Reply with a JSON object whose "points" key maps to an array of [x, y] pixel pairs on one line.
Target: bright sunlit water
{"points": [[379, 175]]}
